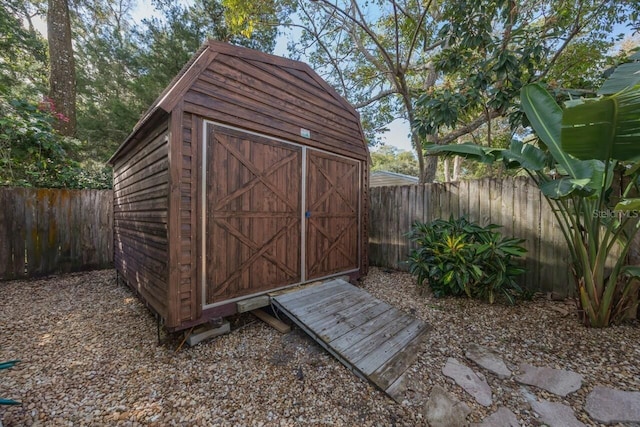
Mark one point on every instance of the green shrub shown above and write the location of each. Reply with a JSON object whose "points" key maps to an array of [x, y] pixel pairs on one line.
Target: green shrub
{"points": [[32, 154], [457, 257]]}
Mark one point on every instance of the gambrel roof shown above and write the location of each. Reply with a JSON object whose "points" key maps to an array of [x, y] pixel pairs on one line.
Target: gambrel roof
{"points": [[259, 92]]}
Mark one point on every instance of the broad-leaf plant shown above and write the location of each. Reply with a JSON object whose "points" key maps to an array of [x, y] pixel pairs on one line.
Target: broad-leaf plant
{"points": [[578, 157]]}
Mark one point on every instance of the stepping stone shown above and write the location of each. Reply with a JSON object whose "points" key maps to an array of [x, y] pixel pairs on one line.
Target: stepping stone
{"points": [[469, 381], [556, 381], [443, 410], [556, 414], [610, 406], [488, 360], [551, 413], [503, 417]]}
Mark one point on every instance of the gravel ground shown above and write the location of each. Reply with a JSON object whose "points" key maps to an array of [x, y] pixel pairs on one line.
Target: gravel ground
{"points": [[90, 356]]}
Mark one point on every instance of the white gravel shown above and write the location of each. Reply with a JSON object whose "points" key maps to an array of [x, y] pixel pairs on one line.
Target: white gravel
{"points": [[90, 357]]}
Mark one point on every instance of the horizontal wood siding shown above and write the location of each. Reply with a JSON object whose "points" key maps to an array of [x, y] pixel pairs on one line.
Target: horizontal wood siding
{"points": [[515, 204], [141, 188], [276, 101], [45, 231], [268, 109]]}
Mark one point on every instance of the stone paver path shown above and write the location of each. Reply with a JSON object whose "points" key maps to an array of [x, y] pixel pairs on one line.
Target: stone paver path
{"points": [[488, 360], [553, 414], [608, 405], [443, 410], [603, 405], [556, 414], [503, 417], [470, 381], [556, 381]]}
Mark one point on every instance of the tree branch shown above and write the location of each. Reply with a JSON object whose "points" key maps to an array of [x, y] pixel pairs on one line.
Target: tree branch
{"points": [[577, 28], [378, 97], [324, 47], [469, 127], [363, 26], [414, 39], [396, 27]]}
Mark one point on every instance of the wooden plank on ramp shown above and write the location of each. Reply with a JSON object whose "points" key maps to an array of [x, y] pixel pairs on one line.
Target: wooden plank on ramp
{"points": [[371, 338]]}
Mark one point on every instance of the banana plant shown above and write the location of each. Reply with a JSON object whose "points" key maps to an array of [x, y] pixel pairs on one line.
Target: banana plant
{"points": [[7, 365], [573, 159]]}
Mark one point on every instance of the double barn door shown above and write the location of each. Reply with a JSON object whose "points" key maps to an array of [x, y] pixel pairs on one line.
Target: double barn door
{"points": [[275, 214]]}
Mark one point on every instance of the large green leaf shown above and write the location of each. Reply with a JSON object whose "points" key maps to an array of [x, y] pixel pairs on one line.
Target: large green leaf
{"points": [[466, 150], [625, 76], [545, 117], [559, 188], [608, 128], [598, 177], [628, 205], [631, 270], [523, 155]]}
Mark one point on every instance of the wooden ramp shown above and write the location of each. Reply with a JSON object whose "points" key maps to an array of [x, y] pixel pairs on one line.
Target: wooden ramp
{"points": [[370, 337]]}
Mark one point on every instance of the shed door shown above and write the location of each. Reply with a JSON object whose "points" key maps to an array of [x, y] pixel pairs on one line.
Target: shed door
{"points": [[332, 211], [253, 214]]}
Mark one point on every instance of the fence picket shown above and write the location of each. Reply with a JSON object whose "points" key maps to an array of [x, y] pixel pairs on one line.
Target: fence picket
{"points": [[45, 231], [514, 203]]}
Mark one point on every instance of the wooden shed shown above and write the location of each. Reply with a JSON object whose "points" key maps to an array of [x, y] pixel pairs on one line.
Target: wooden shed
{"points": [[248, 174]]}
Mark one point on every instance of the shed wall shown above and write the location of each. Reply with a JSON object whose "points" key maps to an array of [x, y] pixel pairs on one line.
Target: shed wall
{"points": [[189, 297], [141, 188], [274, 100], [158, 183]]}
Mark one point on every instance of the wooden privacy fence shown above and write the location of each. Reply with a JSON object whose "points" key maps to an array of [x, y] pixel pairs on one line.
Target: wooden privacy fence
{"points": [[514, 203], [44, 231]]}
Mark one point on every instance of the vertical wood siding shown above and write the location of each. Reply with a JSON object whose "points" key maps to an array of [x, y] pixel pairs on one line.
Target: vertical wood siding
{"points": [[333, 214], [189, 300], [516, 204], [253, 214], [364, 218], [141, 188], [45, 231]]}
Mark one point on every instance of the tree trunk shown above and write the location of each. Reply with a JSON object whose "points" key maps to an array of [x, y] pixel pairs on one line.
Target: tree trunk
{"points": [[430, 168], [430, 164], [445, 170], [62, 76], [457, 160]]}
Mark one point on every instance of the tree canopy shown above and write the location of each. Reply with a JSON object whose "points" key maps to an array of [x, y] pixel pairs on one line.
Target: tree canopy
{"points": [[450, 68], [106, 79], [389, 158]]}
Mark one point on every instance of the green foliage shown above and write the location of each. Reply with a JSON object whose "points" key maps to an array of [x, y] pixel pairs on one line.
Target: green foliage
{"points": [[494, 48], [457, 257], [580, 150], [7, 365], [122, 68], [32, 154], [625, 75], [23, 56], [583, 197], [389, 158], [246, 17], [449, 67]]}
